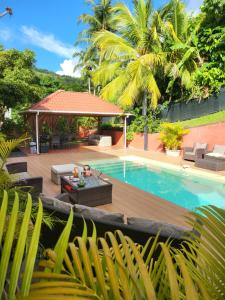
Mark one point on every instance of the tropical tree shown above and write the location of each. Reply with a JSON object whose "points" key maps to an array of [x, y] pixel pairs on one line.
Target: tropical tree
{"points": [[180, 43], [131, 57], [113, 267], [99, 19]]}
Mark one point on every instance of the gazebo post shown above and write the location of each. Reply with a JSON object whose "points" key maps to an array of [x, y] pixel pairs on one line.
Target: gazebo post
{"points": [[99, 124], [37, 132], [125, 132]]}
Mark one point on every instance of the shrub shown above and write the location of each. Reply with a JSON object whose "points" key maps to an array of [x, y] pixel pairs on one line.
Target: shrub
{"points": [[171, 135]]}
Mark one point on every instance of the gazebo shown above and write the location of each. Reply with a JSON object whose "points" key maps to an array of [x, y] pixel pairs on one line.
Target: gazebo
{"points": [[68, 103]]}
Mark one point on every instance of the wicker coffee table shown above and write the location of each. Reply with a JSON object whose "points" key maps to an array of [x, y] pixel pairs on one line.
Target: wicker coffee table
{"points": [[97, 191]]}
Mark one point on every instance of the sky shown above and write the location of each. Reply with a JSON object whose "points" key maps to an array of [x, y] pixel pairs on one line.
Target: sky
{"points": [[50, 29]]}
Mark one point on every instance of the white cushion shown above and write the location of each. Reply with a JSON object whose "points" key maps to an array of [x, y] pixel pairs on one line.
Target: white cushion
{"points": [[215, 155], [219, 149], [61, 169]]}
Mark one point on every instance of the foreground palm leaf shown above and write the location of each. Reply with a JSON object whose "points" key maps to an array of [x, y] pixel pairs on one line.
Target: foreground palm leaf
{"points": [[114, 267], [16, 252]]}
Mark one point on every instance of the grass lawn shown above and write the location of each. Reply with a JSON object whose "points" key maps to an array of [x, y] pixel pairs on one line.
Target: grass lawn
{"points": [[212, 118]]}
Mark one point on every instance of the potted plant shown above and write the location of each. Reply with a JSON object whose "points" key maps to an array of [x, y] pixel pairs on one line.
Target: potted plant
{"points": [[171, 135], [45, 138], [62, 127]]}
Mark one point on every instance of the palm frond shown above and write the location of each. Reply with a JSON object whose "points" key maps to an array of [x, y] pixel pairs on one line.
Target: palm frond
{"points": [[113, 46], [106, 72]]}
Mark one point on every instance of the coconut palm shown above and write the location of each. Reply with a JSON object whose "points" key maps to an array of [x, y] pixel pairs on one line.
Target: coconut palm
{"points": [[130, 57], [98, 20], [179, 42]]}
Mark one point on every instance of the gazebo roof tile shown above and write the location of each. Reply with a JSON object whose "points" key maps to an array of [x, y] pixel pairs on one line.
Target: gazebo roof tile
{"points": [[75, 102]]}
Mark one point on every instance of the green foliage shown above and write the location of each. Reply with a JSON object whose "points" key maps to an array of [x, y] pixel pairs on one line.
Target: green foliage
{"points": [[6, 147], [18, 81], [113, 267], [171, 135], [88, 122], [18, 250], [62, 125], [138, 120], [209, 79], [111, 126]]}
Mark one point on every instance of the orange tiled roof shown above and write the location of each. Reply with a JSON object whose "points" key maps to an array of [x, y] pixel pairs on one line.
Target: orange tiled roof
{"points": [[75, 102]]}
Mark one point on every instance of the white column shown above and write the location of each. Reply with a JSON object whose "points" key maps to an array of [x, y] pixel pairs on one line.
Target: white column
{"points": [[37, 132], [125, 132]]}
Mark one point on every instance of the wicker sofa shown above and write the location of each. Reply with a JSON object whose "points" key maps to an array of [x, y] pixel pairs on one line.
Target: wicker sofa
{"points": [[193, 153], [139, 230], [22, 179], [213, 160]]}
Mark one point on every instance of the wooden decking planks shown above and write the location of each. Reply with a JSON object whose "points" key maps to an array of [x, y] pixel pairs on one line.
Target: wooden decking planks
{"points": [[126, 199]]}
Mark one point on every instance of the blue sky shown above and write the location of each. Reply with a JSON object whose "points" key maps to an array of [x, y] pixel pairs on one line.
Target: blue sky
{"points": [[50, 29]]}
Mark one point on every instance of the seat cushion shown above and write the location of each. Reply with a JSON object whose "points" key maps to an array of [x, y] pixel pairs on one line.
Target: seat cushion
{"points": [[153, 226], [61, 169], [189, 153], [219, 149], [98, 214], [216, 155], [54, 203]]}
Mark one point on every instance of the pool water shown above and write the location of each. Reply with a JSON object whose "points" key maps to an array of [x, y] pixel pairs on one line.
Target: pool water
{"points": [[176, 186]]}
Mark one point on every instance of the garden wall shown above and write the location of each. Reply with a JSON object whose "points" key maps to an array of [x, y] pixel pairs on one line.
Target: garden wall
{"points": [[194, 109], [211, 134]]}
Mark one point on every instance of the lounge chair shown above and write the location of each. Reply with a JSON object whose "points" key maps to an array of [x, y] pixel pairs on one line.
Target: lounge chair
{"points": [[214, 160], [22, 179], [195, 152]]}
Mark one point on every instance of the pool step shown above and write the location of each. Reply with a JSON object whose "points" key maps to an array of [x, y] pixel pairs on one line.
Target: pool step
{"points": [[117, 168]]}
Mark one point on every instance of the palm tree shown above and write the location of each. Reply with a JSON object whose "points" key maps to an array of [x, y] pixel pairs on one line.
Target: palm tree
{"points": [[180, 43], [86, 63], [98, 20], [130, 58]]}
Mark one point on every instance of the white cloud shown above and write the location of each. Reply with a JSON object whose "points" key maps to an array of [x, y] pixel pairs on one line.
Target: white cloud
{"points": [[193, 6], [47, 42], [67, 68], [5, 34]]}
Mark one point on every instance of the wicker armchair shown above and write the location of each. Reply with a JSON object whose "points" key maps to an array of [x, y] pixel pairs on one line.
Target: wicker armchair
{"points": [[18, 167], [196, 152], [33, 185]]}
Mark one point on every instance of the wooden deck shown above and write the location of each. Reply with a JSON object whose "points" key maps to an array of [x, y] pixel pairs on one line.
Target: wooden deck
{"points": [[127, 199]]}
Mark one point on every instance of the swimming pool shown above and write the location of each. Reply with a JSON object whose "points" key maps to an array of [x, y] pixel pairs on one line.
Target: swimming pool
{"points": [[175, 185]]}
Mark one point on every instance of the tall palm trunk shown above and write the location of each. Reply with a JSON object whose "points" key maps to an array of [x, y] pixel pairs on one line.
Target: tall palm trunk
{"points": [[144, 114], [89, 85]]}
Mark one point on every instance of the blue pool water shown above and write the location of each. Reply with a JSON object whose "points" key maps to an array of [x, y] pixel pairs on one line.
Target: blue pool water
{"points": [[175, 186]]}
